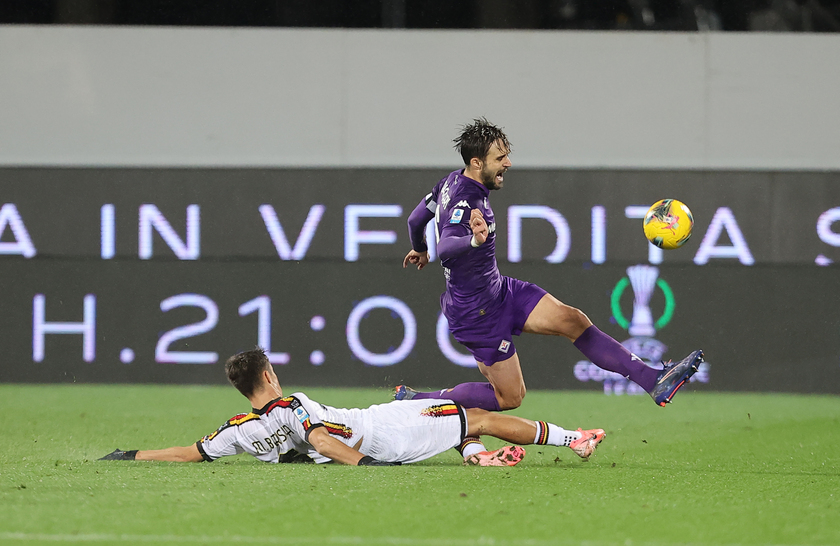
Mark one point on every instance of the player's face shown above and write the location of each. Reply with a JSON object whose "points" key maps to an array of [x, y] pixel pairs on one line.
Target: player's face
{"points": [[495, 165]]}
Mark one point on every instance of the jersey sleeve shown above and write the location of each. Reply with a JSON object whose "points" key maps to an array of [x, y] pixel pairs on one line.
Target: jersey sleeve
{"points": [[222, 443], [306, 412], [455, 231], [433, 198], [455, 217], [417, 221]]}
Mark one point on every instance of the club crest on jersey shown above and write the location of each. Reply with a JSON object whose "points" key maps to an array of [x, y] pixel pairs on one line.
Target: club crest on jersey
{"points": [[504, 346], [457, 214]]}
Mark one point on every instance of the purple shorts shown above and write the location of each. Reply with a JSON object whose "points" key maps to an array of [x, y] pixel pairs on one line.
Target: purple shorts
{"points": [[490, 337]]}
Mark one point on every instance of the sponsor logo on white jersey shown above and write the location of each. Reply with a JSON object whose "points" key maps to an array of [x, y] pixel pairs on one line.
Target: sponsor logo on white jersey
{"points": [[504, 346], [301, 414], [457, 214]]}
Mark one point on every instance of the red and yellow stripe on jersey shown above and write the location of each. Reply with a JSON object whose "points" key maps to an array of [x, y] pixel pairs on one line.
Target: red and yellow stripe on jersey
{"points": [[232, 422], [295, 405], [440, 411], [338, 430], [281, 403]]}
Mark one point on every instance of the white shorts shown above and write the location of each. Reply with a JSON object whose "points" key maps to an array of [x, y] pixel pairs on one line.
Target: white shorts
{"points": [[412, 430]]}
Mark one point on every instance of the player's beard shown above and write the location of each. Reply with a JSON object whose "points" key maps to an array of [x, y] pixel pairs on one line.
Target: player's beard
{"points": [[490, 180]]}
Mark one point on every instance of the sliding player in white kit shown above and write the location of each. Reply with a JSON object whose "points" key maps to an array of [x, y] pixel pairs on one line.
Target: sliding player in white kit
{"points": [[282, 429]]}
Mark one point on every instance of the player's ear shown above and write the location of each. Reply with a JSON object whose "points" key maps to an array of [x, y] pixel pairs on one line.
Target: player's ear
{"points": [[476, 163]]}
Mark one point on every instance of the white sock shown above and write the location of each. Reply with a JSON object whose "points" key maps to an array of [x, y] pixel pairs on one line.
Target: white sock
{"points": [[471, 446], [551, 434]]}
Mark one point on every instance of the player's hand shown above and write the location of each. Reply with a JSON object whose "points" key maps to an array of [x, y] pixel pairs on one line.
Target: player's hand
{"points": [[420, 259], [478, 226], [120, 455], [367, 460]]}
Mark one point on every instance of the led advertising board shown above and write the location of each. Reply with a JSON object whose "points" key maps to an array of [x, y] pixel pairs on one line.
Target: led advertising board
{"points": [[157, 275]]}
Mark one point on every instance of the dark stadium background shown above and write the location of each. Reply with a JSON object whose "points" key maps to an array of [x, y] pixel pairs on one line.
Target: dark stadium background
{"points": [[674, 15]]}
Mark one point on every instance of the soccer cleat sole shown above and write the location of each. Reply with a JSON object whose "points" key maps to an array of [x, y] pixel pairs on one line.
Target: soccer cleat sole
{"points": [[506, 456], [693, 369]]}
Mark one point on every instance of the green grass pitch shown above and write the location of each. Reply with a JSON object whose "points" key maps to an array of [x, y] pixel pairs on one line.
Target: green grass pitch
{"points": [[710, 469]]}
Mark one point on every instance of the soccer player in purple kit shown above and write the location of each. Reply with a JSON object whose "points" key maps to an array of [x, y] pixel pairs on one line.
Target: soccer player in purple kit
{"points": [[485, 309]]}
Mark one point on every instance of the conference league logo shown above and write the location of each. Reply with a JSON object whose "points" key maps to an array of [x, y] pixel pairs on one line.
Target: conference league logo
{"points": [[643, 280]]}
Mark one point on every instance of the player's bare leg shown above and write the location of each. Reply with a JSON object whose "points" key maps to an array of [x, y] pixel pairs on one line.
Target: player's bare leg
{"points": [[524, 431], [507, 381], [553, 317]]}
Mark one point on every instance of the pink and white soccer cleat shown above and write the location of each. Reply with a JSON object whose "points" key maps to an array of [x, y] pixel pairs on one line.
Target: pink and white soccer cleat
{"points": [[506, 456], [588, 441]]}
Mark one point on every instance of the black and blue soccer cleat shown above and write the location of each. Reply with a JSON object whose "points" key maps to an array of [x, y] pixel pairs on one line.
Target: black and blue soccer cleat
{"points": [[403, 392], [674, 376]]}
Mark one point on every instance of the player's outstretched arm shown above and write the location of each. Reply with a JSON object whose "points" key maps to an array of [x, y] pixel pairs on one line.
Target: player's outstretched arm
{"points": [[187, 454], [339, 452]]}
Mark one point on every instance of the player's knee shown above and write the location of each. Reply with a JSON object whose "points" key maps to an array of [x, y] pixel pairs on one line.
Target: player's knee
{"points": [[511, 400], [576, 321]]}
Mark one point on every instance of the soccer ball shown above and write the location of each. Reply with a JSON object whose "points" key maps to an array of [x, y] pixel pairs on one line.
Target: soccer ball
{"points": [[668, 223]]}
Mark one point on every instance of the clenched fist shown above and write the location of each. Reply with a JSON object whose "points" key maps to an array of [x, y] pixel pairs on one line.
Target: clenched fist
{"points": [[478, 226]]}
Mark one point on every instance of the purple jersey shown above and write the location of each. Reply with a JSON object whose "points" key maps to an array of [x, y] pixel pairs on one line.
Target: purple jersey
{"points": [[472, 276], [484, 308]]}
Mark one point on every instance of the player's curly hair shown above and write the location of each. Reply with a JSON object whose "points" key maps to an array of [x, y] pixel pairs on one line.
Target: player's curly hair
{"points": [[476, 139], [243, 370]]}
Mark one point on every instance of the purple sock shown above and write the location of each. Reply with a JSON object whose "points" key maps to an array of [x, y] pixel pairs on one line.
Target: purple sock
{"points": [[610, 355], [469, 395]]}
